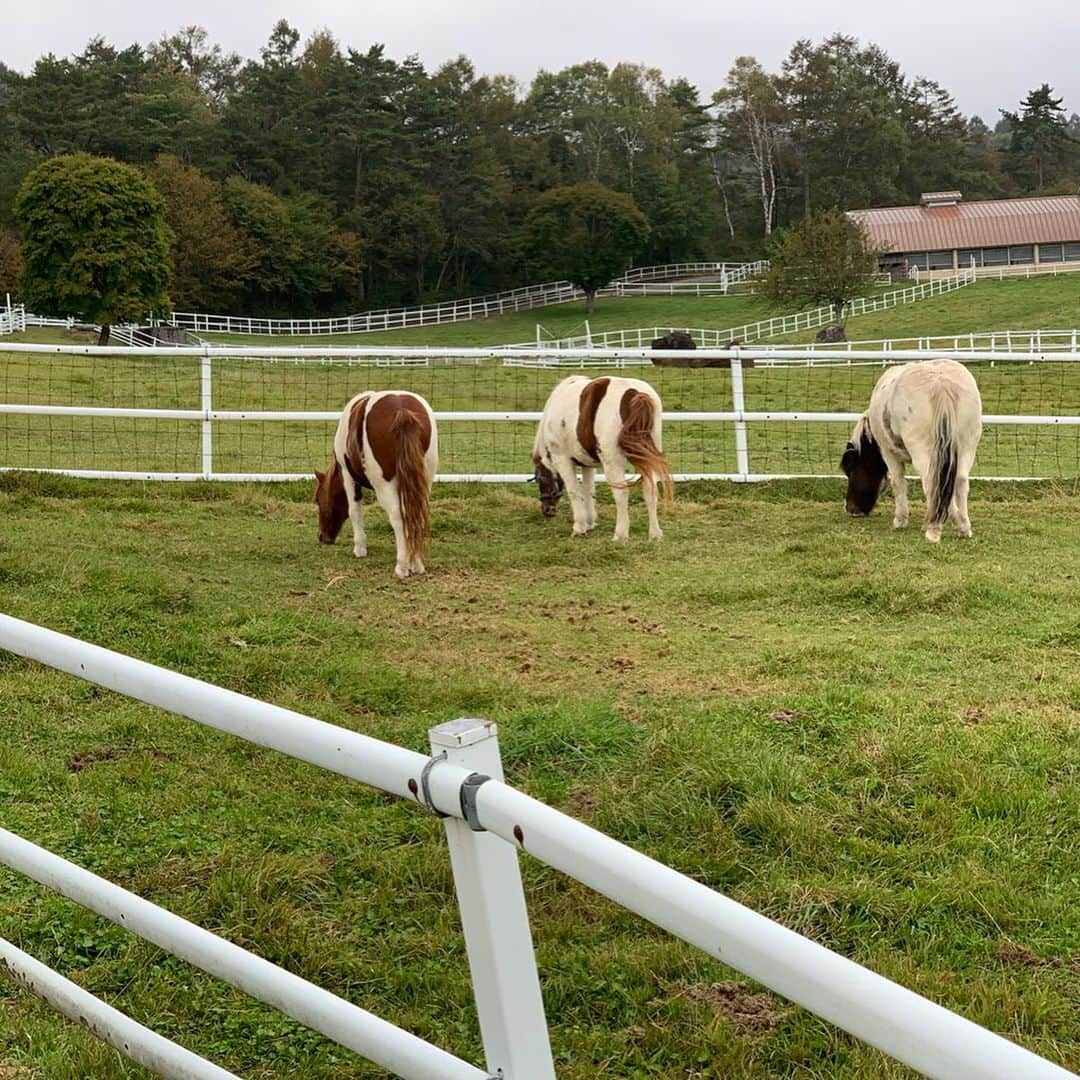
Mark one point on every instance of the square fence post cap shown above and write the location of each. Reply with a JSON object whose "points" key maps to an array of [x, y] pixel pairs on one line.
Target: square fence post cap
{"points": [[463, 732]]}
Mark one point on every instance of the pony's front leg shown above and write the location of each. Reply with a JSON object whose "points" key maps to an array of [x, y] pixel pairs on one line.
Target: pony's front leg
{"points": [[616, 477], [588, 479], [356, 517], [898, 483], [575, 491]]}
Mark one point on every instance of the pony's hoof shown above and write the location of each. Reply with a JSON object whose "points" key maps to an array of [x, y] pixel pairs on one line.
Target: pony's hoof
{"points": [[899, 524], [934, 538], [621, 538], [579, 534], [401, 572], [360, 553], [656, 536], [964, 534]]}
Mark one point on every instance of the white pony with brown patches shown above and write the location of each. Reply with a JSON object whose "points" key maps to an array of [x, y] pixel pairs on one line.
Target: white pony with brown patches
{"points": [[386, 441], [608, 423], [928, 413]]}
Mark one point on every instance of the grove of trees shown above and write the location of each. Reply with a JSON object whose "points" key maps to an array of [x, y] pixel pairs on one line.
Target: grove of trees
{"points": [[320, 178]]}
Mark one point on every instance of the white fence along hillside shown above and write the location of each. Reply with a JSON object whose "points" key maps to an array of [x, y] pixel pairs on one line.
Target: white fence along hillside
{"points": [[778, 326], [474, 307], [487, 822]]}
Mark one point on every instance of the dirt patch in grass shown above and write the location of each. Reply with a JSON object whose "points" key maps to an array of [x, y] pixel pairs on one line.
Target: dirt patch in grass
{"points": [[85, 758], [748, 1011]]}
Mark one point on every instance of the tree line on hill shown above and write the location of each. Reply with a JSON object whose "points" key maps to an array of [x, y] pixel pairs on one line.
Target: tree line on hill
{"points": [[320, 178]]}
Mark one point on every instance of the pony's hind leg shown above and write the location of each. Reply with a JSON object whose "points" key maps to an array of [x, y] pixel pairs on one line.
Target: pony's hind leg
{"points": [[958, 509], [616, 477], [648, 490], [389, 500]]}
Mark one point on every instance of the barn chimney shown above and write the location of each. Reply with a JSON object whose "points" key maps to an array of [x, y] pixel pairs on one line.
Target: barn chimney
{"points": [[931, 199]]}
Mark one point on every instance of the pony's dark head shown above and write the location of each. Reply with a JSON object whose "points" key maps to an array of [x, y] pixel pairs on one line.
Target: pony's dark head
{"points": [[332, 502], [865, 469], [549, 487]]}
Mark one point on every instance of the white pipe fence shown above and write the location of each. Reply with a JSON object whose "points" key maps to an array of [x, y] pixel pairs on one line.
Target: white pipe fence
{"points": [[211, 419], [488, 822]]}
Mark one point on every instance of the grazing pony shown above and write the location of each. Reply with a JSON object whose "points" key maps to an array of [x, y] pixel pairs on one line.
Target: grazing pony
{"points": [[607, 423], [386, 441], [929, 413]]}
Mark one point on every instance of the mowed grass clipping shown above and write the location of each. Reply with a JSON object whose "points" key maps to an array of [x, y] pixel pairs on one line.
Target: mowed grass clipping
{"points": [[868, 738]]}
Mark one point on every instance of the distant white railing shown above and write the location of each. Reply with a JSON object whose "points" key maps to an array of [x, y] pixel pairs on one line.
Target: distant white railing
{"points": [[12, 318], [777, 326], [487, 823], [473, 307], [998, 273], [1007, 341]]}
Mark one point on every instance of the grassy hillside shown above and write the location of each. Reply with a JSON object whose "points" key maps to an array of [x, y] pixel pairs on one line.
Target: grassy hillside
{"points": [[872, 740]]}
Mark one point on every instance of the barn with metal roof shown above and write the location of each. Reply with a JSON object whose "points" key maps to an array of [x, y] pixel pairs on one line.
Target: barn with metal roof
{"points": [[943, 232]]}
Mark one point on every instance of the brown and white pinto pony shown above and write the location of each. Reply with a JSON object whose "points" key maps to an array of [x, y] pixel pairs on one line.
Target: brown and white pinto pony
{"points": [[387, 442], [608, 423], [929, 413]]}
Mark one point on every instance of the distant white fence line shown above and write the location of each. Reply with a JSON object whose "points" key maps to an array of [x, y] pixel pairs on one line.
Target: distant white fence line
{"points": [[777, 326], [1008, 341], [998, 273], [473, 307], [487, 822]]}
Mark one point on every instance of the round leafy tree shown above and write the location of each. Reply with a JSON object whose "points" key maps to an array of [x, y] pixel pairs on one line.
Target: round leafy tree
{"points": [[95, 243], [585, 233], [825, 259]]}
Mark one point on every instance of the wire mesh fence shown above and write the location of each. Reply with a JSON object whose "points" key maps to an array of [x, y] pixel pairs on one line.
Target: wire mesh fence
{"points": [[176, 413]]}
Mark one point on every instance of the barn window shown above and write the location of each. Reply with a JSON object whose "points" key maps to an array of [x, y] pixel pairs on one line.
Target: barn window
{"points": [[1025, 253], [969, 257], [916, 258], [995, 256], [940, 260], [1072, 252], [1049, 253]]}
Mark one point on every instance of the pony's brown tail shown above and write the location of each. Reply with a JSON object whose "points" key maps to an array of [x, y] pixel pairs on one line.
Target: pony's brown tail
{"points": [[413, 492], [637, 443]]}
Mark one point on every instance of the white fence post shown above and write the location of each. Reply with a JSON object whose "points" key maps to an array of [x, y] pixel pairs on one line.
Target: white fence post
{"points": [[494, 917], [738, 405], [206, 405]]}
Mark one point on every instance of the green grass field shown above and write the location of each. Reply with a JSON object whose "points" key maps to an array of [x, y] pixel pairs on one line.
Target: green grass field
{"points": [[870, 739]]}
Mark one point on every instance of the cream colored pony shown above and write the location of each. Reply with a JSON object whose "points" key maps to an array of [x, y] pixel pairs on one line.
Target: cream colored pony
{"points": [[929, 413], [608, 423]]}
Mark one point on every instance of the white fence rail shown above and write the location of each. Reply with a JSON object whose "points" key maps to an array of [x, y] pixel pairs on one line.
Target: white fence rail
{"points": [[12, 318], [777, 326], [1006, 341], [487, 823], [474, 307], [198, 436]]}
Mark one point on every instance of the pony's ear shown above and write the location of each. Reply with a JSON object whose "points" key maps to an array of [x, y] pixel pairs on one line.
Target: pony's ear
{"points": [[850, 459]]}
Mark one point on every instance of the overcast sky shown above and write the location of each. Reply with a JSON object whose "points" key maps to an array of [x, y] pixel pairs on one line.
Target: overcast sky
{"points": [[989, 54]]}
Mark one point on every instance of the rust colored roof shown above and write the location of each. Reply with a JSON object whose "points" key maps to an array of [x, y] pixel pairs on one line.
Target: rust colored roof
{"points": [[994, 223]]}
